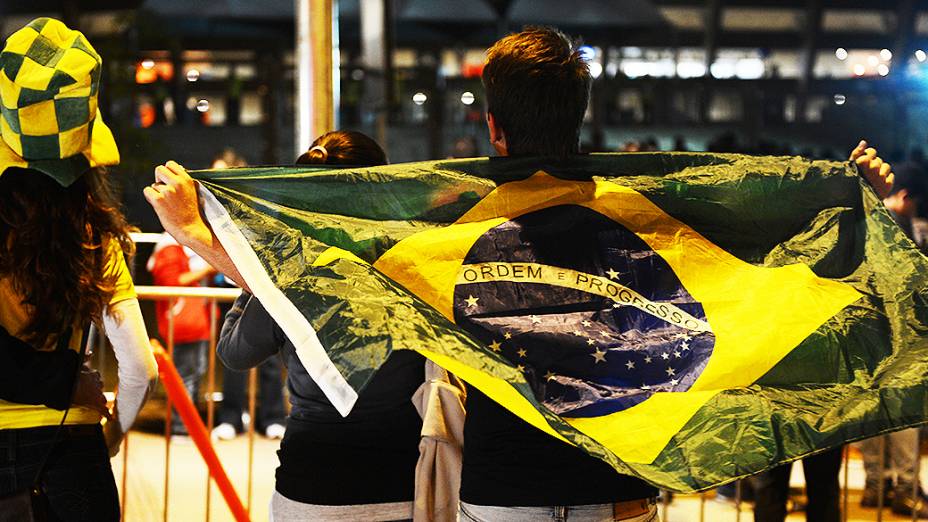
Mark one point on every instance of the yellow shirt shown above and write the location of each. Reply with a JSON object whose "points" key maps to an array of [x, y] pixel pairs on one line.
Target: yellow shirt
{"points": [[13, 316]]}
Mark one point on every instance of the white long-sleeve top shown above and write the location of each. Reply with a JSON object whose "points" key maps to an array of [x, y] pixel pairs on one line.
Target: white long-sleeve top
{"points": [[137, 370]]}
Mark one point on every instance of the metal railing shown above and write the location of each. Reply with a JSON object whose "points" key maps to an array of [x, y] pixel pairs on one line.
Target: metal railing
{"points": [[214, 296]]}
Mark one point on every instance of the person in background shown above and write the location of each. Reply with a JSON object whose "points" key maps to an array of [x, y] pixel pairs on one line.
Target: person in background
{"points": [[771, 489], [171, 264], [900, 461], [63, 242], [359, 467], [650, 144], [465, 147], [269, 412], [228, 158]]}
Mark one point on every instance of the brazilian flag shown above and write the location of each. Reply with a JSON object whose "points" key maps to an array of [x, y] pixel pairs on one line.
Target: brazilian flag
{"points": [[687, 318]]}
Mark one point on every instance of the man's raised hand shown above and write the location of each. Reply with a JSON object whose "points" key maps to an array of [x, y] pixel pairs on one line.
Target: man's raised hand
{"points": [[873, 169]]}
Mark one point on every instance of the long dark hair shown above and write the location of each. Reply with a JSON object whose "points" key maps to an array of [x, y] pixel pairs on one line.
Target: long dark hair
{"points": [[344, 148], [53, 247]]}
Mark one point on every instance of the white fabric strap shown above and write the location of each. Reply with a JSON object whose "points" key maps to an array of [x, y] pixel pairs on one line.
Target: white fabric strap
{"points": [[297, 328], [137, 369]]}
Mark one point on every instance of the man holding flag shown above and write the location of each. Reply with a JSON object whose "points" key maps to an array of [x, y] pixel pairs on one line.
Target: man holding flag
{"points": [[522, 287], [537, 90]]}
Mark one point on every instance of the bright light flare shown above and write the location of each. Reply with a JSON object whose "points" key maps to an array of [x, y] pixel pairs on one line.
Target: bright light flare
{"points": [[587, 53], [691, 69]]}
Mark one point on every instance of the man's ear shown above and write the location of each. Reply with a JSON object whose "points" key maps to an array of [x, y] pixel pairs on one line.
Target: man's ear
{"points": [[497, 136]]}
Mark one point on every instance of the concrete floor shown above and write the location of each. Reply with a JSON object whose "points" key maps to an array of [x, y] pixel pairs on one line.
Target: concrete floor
{"points": [[187, 485], [187, 494]]}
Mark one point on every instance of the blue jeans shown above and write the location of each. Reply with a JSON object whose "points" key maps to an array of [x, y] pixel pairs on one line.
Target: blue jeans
{"points": [[77, 480], [270, 400], [901, 457], [588, 513], [190, 361]]}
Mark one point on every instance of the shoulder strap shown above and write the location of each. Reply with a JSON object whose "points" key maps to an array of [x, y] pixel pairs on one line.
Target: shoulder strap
{"points": [[63, 340]]}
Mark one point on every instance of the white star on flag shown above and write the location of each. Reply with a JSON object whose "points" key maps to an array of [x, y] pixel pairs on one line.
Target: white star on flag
{"points": [[630, 365], [612, 273], [670, 371], [599, 355], [494, 346], [472, 301]]}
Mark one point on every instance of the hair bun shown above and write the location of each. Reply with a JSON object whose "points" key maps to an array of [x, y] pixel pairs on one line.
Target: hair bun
{"points": [[319, 152]]}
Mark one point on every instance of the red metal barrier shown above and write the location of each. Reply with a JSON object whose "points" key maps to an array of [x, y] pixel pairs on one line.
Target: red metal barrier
{"points": [[177, 394]]}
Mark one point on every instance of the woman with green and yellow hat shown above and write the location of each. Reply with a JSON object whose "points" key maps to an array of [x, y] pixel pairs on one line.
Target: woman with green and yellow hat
{"points": [[62, 266]]}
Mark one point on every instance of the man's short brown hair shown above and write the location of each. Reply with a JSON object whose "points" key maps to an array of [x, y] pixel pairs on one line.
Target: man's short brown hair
{"points": [[537, 88]]}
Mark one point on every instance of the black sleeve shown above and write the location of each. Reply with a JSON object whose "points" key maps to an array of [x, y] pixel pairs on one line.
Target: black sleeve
{"points": [[249, 335], [30, 376]]}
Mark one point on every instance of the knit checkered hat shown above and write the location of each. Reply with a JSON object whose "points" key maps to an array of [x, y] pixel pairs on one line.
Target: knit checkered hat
{"points": [[49, 81]]}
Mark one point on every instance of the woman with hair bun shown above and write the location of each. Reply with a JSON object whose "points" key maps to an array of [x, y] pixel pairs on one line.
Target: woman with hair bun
{"points": [[359, 467], [347, 148]]}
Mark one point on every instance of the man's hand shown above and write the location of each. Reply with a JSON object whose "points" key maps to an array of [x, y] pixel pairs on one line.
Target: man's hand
{"points": [[873, 169], [89, 392]]}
